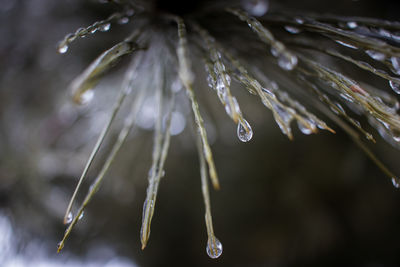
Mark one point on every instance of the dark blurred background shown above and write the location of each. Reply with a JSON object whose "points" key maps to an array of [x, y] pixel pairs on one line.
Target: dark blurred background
{"points": [[314, 201]]}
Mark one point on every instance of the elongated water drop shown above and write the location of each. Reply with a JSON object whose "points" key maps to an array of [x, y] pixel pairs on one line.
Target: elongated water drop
{"points": [[395, 86], [396, 182], [243, 134], [396, 65], [81, 216], [292, 29], [214, 248], [305, 129]]}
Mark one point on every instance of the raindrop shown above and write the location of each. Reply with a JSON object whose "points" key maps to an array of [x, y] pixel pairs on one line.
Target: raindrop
{"points": [[346, 44], [69, 218], [395, 182], [105, 27], [214, 249], [395, 86], [352, 24], [62, 48], [292, 29], [287, 62], [375, 55], [242, 134], [256, 8]]}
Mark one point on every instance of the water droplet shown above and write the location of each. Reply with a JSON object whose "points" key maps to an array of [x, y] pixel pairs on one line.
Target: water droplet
{"points": [[299, 20], [395, 86], [86, 97], [69, 218], [214, 248], [395, 182], [375, 55], [242, 134], [93, 30], [352, 24], [105, 27], [211, 82], [123, 20], [60, 246], [256, 8], [396, 65], [346, 44], [287, 61], [62, 48], [292, 29], [306, 129], [81, 216]]}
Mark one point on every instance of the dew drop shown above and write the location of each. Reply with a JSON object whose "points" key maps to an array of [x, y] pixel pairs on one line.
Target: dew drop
{"points": [[396, 182], [352, 24], [123, 20], [292, 29], [242, 134], [395, 86], [105, 27], [62, 49], [375, 55], [256, 8], [60, 246], [69, 218], [299, 20], [81, 216], [287, 62], [214, 249]]}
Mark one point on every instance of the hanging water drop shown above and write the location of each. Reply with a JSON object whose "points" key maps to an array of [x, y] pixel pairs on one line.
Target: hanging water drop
{"points": [[395, 86], [63, 48], [214, 248], [396, 182], [105, 27], [243, 134], [69, 218], [375, 55], [81, 216]]}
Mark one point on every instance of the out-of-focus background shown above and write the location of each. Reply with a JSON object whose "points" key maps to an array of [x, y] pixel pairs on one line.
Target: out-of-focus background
{"points": [[314, 201]]}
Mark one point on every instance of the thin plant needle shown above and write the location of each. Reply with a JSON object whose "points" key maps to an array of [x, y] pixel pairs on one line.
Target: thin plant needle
{"points": [[125, 90], [206, 197], [129, 123], [186, 77], [156, 173]]}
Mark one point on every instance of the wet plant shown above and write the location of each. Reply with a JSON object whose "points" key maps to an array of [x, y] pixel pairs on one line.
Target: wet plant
{"points": [[291, 62]]}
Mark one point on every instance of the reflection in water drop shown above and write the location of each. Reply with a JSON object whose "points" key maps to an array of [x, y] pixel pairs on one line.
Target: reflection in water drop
{"points": [[375, 55], [87, 96], [214, 249], [69, 218], [105, 27]]}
